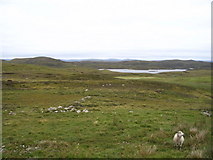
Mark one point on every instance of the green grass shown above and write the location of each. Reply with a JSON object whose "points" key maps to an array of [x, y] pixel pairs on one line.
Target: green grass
{"points": [[191, 79], [135, 77], [130, 115]]}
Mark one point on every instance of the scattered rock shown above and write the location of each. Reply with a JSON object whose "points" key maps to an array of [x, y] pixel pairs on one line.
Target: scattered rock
{"points": [[206, 113], [12, 113], [61, 109], [159, 90], [28, 149], [85, 110], [69, 108], [87, 97], [78, 111], [73, 109], [2, 148], [52, 109]]}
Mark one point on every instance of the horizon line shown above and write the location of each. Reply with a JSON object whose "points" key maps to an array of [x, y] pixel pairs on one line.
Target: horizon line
{"points": [[141, 59]]}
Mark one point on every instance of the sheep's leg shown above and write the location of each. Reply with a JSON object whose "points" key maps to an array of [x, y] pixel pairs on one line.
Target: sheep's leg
{"points": [[179, 146]]}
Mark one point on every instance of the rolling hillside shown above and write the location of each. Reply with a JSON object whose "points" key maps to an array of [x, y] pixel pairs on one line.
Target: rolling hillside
{"points": [[134, 64], [128, 115], [45, 61]]}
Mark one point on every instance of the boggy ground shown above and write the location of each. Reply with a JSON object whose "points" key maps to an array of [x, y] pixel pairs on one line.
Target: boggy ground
{"points": [[130, 115]]}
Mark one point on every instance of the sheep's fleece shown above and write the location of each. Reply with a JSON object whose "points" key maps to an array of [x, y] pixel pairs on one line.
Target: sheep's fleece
{"points": [[178, 138]]}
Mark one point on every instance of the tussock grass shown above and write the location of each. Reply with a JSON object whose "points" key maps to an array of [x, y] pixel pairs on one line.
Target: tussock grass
{"points": [[201, 135], [145, 151], [157, 136], [54, 145], [193, 131], [197, 140], [196, 154], [181, 126]]}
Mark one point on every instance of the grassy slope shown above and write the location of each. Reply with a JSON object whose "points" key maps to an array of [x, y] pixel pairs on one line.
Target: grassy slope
{"points": [[46, 61], [129, 118], [192, 78], [136, 64], [167, 64]]}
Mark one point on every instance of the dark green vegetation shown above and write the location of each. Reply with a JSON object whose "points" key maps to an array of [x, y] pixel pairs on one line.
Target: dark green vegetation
{"points": [[135, 64], [167, 64], [130, 115]]}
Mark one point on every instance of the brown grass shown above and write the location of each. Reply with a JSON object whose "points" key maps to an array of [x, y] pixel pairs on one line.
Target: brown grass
{"points": [[147, 150], [196, 154], [181, 127], [201, 135], [160, 133], [52, 144], [193, 131]]}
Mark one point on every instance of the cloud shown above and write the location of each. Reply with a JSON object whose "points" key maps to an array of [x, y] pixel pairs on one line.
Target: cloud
{"points": [[115, 28]]}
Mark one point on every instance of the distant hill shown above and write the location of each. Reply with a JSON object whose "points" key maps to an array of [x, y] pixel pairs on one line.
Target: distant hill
{"points": [[137, 64], [45, 61], [112, 63], [96, 60]]}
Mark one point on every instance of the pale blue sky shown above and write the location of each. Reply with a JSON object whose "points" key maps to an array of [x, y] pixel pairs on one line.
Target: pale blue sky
{"points": [[143, 29]]}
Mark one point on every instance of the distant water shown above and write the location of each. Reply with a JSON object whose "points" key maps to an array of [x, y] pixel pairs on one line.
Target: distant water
{"points": [[152, 71]]}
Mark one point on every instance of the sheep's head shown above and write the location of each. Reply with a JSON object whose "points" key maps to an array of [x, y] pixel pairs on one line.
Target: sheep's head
{"points": [[180, 133]]}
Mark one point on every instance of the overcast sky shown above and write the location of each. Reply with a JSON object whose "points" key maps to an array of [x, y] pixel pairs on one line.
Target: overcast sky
{"points": [[143, 29]]}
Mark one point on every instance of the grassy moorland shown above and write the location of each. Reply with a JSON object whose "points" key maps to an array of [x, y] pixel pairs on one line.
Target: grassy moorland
{"points": [[130, 115]]}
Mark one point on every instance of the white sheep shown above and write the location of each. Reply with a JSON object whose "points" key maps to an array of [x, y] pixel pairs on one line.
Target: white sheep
{"points": [[178, 139]]}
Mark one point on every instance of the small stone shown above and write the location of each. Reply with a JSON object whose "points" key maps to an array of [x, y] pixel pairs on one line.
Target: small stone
{"points": [[85, 110], [78, 111], [28, 149]]}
